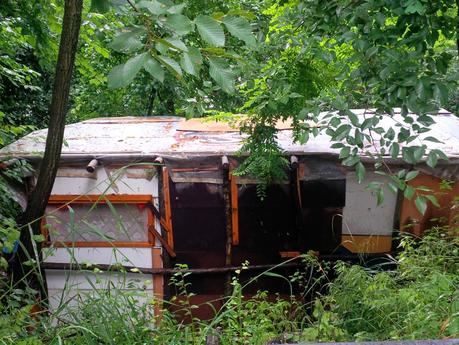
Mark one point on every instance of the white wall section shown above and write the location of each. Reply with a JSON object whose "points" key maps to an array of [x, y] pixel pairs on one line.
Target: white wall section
{"points": [[361, 215]]}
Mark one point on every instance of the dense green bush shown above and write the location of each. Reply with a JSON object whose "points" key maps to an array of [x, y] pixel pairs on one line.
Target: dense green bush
{"points": [[418, 300]]}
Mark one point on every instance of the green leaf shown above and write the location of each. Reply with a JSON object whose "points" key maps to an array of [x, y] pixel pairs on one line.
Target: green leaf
{"points": [[415, 7], [411, 175], [38, 238], [374, 186], [421, 204], [100, 6], [154, 68], [174, 43], [171, 65], [303, 137], [210, 30], [191, 62], [345, 152], [335, 121], [176, 9], [392, 187], [128, 41], [441, 93], [379, 196], [222, 74], [394, 150], [409, 192], [153, 6], [179, 23], [440, 154], [122, 75], [337, 146], [240, 28], [432, 159], [360, 172], [342, 132], [354, 118], [390, 134], [424, 188], [418, 153], [433, 200], [434, 140], [351, 160], [408, 155]]}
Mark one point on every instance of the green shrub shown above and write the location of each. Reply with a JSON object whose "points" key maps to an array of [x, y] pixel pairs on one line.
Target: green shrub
{"points": [[417, 300]]}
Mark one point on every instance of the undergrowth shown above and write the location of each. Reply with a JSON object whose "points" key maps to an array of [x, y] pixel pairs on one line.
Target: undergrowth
{"points": [[418, 299]]}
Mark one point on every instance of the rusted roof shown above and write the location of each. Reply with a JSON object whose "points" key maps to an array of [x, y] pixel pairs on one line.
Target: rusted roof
{"points": [[173, 136]]}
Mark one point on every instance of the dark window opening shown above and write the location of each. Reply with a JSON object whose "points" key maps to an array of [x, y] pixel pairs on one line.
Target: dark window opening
{"points": [[323, 202], [267, 227], [198, 221]]}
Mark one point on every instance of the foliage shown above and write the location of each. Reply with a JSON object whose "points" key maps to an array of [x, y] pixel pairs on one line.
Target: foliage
{"points": [[381, 54], [305, 57], [27, 56], [179, 49], [415, 297], [418, 300], [10, 210], [265, 162]]}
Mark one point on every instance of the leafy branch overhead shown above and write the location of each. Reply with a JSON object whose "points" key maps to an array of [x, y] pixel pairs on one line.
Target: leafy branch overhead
{"points": [[378, 55], [315, 61], [165, 40]]}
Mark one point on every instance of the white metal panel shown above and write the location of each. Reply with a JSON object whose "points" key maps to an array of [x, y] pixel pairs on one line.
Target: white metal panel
{"points": [[107, 182], [138, 257], [67, 289], [65, 299], [89, 280], [361, 215]]}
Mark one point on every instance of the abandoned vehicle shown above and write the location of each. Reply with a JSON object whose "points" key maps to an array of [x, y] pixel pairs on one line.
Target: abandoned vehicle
{"points": [[153, 192]]}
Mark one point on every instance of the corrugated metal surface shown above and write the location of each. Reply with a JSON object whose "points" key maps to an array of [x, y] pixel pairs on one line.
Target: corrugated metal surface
{"points": [[141, 137]]}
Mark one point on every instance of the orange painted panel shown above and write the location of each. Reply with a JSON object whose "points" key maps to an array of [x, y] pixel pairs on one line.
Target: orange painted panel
{"points": [[97, 244], [113, 198], [234, 210], [433, 215], [158, 280], [367, 244], [167, 207]]}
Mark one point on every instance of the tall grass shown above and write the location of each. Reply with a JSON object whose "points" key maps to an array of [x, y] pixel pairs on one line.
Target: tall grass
{"points": [[417, 299]]}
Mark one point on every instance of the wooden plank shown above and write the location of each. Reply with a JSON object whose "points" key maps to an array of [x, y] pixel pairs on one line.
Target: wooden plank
{"points": [[203, 168], [95, 244], [158, 280], [411, 220], [150, 224], [167, 207], [212, 270], [163, 242], [164, 271], [100, 198], [234, 209], [291, 254], [367, 243]]}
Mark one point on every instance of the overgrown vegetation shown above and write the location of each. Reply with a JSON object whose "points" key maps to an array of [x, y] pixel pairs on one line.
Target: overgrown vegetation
{"points": [[272, 60], [414, 297]]}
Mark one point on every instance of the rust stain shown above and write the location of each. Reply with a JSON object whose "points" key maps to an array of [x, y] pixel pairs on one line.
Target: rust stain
{"points": [[123, 120]]}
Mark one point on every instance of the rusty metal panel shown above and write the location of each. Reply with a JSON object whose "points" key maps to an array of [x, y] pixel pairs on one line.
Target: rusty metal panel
{"points": [[141, 137]]}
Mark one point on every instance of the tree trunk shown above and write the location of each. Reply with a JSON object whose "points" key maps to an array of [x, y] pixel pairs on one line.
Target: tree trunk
{"points": [[151, 100], [57, 112], [457, 27]]}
